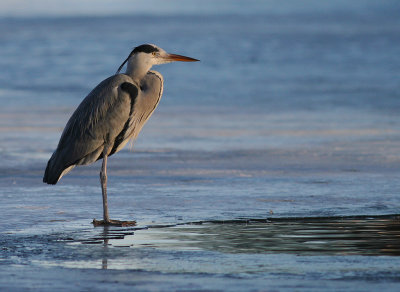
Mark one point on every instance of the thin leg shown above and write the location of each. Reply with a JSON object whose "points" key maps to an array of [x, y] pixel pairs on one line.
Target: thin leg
{"points": [[103, 181]]}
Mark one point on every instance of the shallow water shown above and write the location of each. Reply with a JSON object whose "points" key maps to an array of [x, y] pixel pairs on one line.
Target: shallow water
{"points": [[272, 164]]}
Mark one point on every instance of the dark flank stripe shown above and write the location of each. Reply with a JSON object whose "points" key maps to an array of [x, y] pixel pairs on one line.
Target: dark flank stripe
{"points": [[133, 93], [131, 89]]}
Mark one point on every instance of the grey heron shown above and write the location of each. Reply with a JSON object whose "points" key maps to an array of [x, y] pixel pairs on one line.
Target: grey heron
{"points": [[113, 113]]}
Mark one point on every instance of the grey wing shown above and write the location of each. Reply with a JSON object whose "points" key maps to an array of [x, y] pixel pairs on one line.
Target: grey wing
{"points": [[98, 120]]}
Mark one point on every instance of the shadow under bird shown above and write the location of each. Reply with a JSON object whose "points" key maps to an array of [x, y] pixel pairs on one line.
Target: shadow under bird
{"points": [[113, 113]]}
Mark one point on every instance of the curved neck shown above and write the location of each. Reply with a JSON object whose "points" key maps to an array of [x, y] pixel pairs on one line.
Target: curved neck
{"points": [[137, 68]]}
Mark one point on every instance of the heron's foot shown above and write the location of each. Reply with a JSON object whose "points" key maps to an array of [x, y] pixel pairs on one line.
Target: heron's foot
{"points": [[113, 223]]}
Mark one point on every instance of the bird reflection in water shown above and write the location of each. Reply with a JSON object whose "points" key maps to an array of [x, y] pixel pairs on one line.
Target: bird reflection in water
{"points": [[104, 261]]}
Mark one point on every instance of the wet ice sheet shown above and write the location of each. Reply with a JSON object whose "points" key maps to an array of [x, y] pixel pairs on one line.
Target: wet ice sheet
{"points": [[301, 236], [236, 255]]}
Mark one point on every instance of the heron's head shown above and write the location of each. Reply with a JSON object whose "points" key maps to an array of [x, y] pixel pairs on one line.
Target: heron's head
{"points": [[147, 55]]}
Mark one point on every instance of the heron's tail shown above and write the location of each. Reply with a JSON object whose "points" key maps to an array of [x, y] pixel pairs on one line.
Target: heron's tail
{"points": [[55, 170], [49, 176]]}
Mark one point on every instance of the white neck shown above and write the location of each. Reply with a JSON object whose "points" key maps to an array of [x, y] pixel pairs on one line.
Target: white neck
{"points": [[138, 66]]}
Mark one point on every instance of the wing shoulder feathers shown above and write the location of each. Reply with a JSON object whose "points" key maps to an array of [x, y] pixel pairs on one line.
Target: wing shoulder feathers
{"points": [[131, 89]]}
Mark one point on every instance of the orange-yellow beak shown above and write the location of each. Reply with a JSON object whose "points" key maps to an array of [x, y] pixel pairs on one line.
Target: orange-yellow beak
{"points": [[174, 57]]}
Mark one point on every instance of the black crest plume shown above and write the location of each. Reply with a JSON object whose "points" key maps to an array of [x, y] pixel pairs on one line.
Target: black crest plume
{"points": [[146, 48]]}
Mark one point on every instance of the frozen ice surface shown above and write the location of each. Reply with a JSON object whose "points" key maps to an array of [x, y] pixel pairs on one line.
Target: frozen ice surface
{"points": [[273, 164]]}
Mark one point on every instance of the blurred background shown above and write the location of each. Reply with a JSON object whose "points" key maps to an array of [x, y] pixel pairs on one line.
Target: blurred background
{"points": [[294, 104]]}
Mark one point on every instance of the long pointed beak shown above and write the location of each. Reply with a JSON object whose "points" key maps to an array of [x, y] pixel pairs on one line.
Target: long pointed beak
{"points": [[174, 57]]}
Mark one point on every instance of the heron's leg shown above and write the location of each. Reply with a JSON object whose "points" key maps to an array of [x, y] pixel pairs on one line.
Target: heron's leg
{"points": [[103, 181]]}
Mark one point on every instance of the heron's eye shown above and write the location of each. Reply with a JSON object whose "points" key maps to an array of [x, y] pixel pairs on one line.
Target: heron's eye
{"points": [[154, 54]]}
